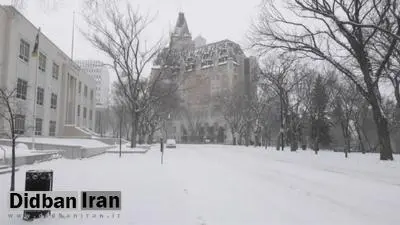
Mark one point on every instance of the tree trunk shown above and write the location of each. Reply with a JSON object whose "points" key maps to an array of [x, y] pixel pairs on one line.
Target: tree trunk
{"points": [[347, 147], [134, 131], [247, 134], [278, 143], [384, 144], [12, 188], [361, 143], [294, 144], [150, 138], [316, 142], [346, 137]]}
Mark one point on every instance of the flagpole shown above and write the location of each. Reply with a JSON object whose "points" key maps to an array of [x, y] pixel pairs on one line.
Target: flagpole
{"points": [[35, 93], [73, 36]]}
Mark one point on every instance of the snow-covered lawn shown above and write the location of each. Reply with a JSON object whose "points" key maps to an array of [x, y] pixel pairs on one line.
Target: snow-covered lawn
{"points": [[211, 184]]}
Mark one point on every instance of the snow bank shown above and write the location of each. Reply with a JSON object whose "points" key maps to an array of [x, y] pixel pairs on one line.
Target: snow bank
{"points": [[86, 143]]}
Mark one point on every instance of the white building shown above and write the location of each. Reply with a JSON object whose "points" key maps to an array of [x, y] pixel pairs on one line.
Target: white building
{"points": [[65, 100], [99, 72]]}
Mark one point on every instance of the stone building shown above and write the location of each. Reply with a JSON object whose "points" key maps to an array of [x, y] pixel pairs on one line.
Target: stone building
{"points": [[204, 71], [65, 102]]}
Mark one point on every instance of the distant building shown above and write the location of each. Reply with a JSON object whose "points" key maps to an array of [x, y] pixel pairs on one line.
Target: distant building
{"points": [[99, 72], [65, 101], [207, 70]]}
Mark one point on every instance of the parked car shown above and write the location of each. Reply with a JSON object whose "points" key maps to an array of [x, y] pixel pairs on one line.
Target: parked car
{"points": [[171, 143]]}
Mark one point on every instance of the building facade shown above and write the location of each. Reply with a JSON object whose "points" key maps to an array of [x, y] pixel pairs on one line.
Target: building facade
{"points": [[65, 101], [206, 71], [99, 72]]}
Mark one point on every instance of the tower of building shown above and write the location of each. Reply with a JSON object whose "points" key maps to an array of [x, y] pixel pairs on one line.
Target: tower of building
{"points": [[181, 38]]}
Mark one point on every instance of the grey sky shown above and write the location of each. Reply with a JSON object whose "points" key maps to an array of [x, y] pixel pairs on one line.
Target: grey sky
{"points": [[213, 19]]}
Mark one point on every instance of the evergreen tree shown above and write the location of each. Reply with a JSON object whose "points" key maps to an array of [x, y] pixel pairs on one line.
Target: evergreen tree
{"points": [[319, 121]]}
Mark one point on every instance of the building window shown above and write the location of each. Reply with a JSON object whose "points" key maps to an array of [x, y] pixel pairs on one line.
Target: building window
{"points": [[38, 126], [22, 87], [85, 91], [42, 62], [24, 50], [222, 59], [80, 87], [91, 95], [90, 115], [53, 101], [79, 110], [56, 69], [40, 96], [19, 124], [84, 112], [52, 128]]}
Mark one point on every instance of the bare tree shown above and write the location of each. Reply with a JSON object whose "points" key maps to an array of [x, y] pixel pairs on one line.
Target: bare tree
{"points": [[9, 109], [233, 106], [346, 105], [282, 75], [119, 33], [341, 33]]}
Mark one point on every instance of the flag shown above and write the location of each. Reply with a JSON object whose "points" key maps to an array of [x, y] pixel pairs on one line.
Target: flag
{"points": [[36, 46]]}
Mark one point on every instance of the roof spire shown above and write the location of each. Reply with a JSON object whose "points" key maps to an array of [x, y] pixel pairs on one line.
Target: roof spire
{"points": [[181, 27]]}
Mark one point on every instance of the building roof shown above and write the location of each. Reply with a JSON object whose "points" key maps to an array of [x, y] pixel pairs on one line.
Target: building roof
{"points": [[222, 48]]}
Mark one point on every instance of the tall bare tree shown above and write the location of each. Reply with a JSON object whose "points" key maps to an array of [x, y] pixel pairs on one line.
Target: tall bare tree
{"points": [[338, 32], [346, 106], [9, 109], [282, 75], [118, 30], [233, 104]]}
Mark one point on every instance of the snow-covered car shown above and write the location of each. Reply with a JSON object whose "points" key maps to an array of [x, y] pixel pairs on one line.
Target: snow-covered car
{"points": [[171, 143]]}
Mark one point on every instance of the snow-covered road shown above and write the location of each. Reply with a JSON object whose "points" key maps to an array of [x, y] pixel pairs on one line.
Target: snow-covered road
{"points": [[210, 184]]}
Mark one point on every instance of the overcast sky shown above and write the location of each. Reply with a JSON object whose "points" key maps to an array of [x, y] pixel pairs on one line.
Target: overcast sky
{"points": [[214, 19]]}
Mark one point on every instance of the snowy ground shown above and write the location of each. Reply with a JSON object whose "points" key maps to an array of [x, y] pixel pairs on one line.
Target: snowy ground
{"points": [[220, 185], [127, 148]]}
